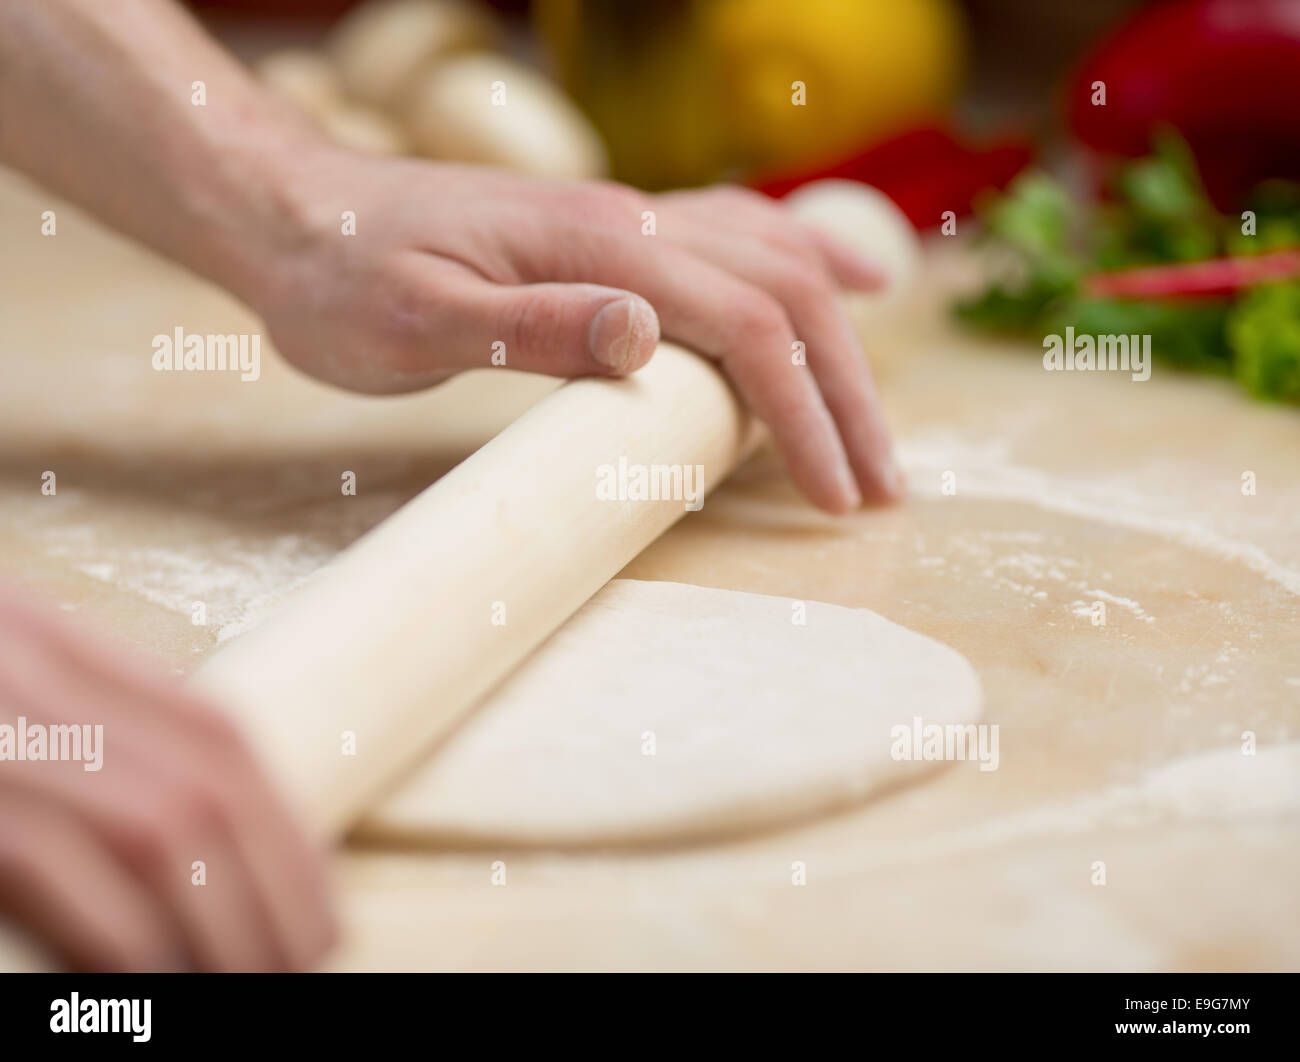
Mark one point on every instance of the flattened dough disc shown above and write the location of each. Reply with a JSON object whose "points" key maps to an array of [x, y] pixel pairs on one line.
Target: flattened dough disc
{"points": [[755, 720]]}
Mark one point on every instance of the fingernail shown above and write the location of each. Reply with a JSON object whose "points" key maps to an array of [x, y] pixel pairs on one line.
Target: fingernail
{"points": [[616, 331], [848, 487], [867, 275], [891, 476]]}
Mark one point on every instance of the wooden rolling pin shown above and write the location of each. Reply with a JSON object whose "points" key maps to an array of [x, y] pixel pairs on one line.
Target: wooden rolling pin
{"points": [[352, 680]]}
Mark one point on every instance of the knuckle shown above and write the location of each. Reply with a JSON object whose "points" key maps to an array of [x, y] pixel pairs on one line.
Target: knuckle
{"points": [[18, 847], [803, 287], [142, 841], [404, 310], [202, 808], [154, 841], [622, 194], [537, 323], [802, 257], [759, 318], [130, 956], [217, 733], [616, 204]]}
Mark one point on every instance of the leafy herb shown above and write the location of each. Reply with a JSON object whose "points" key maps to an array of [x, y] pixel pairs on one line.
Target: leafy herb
{"points": [[1264, 334], [1161, 212], [1046, 243], [1188, 335]]}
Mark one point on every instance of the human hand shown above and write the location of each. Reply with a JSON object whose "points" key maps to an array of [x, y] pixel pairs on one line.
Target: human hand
{"points": [[449, 259], [99, 863]]}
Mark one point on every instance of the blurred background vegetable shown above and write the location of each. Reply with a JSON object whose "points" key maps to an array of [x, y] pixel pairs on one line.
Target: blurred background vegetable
{"points": [[688, 91], [1224, 73], [1237, 313]]}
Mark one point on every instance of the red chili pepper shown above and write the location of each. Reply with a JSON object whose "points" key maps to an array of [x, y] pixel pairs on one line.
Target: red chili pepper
{"points": [[1224, 73], [1212, 278], [926, 171]]}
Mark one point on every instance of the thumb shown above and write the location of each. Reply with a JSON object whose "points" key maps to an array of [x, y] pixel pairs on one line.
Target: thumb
{"points": [[556, 329]]}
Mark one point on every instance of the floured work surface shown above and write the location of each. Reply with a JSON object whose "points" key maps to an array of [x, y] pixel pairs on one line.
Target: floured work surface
{"points": [[1119, 743]]}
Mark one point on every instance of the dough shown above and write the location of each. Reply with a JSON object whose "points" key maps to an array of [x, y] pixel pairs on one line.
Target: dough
{"points": [[868, 221], [304, 78], [363, 129], [381, 45], [755, 720], [485, 108]]}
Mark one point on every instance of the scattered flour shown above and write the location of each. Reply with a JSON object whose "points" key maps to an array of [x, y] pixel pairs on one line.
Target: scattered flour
{"points": [[238, 579], [1220, 785], [1082, 608], [986, 471], [1027, 573]]}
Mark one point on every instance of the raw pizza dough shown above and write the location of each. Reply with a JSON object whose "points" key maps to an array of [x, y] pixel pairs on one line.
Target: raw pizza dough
{"points": [[755, 720]]}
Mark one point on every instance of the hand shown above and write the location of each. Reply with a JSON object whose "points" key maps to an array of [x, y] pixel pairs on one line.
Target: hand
{"points": [[99, 863], [449, 259]]}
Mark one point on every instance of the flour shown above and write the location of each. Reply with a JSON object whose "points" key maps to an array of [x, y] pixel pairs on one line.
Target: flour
{"points": [[986, 471], [1082, 608], [238, 578], [235, 582], [1220, 785], [1033, 575]]}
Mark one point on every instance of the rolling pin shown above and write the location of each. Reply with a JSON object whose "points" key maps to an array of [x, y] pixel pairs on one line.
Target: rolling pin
{"points": [[349, 683]]}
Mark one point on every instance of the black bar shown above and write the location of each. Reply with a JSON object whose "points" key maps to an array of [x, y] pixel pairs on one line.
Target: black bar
{"points": [[439, 1011]]}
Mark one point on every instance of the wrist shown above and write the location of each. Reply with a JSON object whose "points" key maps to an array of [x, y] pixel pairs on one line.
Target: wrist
{"points": [[248, 208]]}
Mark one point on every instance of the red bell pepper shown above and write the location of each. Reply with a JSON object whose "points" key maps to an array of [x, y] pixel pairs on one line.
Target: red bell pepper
{"points": [[1224, 73], [926, 171], [1212, 278]]}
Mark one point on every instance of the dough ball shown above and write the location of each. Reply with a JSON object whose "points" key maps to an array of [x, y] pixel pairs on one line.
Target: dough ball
{"points": [[868, 221], [486, 108], [304, 78], [365, 130], [382, 45], [755, 721]]}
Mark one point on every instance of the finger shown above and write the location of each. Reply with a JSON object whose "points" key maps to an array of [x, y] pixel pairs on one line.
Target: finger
{"points": [[181, 835], [744, 212], [833, 353], [57, 879], [186, 855], [171, 836], [451, 317], [287, 872], [75, 646], [179, 778], [850, 269], [719, 316], [565, 330]]}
